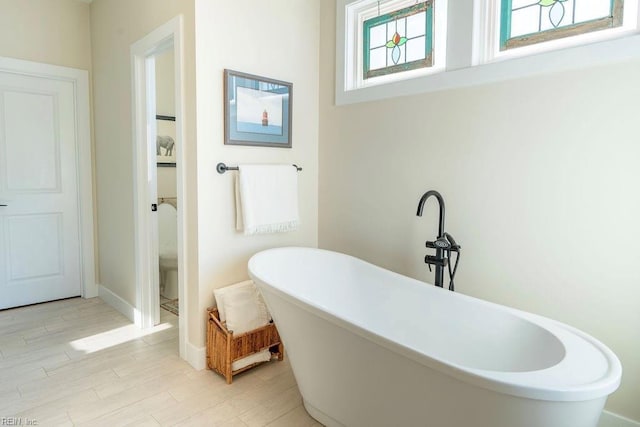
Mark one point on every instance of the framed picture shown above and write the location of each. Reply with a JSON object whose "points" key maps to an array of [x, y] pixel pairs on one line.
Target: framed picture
{"points": [[166, 141], [257, 110]]}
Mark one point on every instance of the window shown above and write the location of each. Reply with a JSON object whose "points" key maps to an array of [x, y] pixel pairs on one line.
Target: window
{"points": [[398, 41], [526, 22], [390, 48], [392, 40]]}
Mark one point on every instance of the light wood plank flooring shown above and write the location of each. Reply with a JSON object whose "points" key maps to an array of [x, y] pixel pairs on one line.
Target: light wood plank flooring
{"points": [[79, 362]]}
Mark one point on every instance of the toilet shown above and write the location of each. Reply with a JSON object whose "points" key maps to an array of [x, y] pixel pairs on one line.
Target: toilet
{"points": [[168, 250]]}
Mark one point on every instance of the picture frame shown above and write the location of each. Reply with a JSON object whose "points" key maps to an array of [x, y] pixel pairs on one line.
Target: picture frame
{"points": [[166, 141], [257, 110]]}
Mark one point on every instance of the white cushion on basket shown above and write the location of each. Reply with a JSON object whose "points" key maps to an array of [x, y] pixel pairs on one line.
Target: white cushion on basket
{"points": [[262, 356], [241, 306]]}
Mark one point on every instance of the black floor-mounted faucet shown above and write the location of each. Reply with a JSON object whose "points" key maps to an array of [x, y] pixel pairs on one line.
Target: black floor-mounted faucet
{"points": [[444, 244]]}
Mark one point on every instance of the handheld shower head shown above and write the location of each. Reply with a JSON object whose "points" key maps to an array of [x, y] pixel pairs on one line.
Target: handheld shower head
{"points": [[453, 245]]}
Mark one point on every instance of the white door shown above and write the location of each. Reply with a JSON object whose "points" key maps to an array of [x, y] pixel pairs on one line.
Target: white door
{"points": [[39, 224]]}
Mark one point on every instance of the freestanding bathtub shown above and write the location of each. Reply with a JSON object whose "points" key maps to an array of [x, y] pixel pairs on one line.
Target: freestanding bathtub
{"points": [[370, 347]]}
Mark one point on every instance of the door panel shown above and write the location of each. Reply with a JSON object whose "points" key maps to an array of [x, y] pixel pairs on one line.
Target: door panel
{"points": [[32, 150], [39, 227], [34, 246]]}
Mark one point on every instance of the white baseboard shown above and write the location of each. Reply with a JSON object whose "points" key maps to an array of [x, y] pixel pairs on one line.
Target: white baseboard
{"points": [[609, 419], [117, 302], [90, 290], [196, 356]]}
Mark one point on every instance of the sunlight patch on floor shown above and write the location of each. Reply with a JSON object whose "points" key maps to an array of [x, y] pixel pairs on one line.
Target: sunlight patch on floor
{"points": [[116, 337]]}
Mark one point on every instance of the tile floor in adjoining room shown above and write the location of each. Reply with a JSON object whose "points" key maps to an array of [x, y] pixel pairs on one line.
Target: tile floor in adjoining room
{"points": [[171, 305], [79, 362]]}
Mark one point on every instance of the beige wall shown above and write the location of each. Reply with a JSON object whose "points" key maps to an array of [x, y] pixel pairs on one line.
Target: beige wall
{"points": [[222, 254], [115, 26], [165, 106], [49, 31], [277, 39], [165, 87], [167, 182], [53, 32], [540, 181]]}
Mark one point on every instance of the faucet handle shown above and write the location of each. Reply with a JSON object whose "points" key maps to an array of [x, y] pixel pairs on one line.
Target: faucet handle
{"points": [[440, 243], [441, 262], [437, 244]]}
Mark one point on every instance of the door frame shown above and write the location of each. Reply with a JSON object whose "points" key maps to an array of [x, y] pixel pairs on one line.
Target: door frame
{"points": [[147, 289], [84, 160]]}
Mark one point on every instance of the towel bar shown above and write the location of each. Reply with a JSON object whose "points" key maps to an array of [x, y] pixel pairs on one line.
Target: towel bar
{"points": [[222, 168]]}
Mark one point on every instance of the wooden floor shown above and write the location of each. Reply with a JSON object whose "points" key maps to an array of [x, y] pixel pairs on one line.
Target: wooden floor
{"points": [[79, 362]]}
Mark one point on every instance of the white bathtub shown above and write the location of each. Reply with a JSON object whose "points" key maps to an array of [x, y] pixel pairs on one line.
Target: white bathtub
{"points": [[370, 347]]}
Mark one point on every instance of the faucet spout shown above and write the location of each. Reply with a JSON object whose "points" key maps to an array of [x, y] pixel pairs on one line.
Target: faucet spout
{"points": [[423, 200]]}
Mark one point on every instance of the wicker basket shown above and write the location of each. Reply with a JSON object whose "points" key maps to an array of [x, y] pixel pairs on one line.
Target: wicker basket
{"points": [[223, 348]]}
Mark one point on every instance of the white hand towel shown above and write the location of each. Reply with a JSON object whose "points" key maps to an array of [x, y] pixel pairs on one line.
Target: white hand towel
{"points": [[239, 224], [267, 199], [261, 356]]}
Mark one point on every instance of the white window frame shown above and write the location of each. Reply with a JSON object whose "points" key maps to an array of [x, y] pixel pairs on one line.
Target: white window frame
{"points": [[468, 62], [487, 34], [360, 11]]}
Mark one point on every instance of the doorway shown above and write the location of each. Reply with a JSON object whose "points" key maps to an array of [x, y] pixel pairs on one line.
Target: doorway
{"points": [[144, 53], [166, 180]]}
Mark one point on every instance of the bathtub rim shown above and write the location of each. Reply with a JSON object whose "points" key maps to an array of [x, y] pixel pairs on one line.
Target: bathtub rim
{"points": [[510, 383]]}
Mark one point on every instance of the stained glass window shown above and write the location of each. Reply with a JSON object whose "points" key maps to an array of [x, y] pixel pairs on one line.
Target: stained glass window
{"points": [[525, 22], [398, 41]]}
